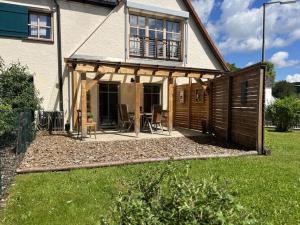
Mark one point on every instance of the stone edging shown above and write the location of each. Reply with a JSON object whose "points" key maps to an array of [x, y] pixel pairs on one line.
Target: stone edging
{"points": [[129, 162]]}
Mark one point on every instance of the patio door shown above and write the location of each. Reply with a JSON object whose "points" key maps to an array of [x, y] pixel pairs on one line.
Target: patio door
{"points": [[151, 96], [108, 102]]}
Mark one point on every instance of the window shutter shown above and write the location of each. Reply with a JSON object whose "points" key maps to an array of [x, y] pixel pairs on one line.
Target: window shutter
{"points": [[13, 20]]}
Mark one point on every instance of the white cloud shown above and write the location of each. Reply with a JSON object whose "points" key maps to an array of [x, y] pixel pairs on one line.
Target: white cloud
{"points": [[239, 28], [293, 78], [249, 64], [281, 60], [204, 8]]}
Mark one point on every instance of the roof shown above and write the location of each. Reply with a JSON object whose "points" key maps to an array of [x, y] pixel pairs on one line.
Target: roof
{"points": [[107, 3]]}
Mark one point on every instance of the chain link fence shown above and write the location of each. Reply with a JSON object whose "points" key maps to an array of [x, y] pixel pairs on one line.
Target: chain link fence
{"points": [[17, 131]]}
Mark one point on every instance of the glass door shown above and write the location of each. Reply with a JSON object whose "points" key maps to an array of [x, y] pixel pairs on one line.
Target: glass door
{"points": [[108, 104]]}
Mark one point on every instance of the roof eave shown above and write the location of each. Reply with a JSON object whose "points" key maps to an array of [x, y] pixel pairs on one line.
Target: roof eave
{"points": [[205, 34]]}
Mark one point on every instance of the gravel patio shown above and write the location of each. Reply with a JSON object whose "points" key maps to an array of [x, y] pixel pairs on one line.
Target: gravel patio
{"points": [[61, 152]]}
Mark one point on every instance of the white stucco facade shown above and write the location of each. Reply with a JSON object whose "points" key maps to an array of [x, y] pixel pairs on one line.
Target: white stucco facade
{"points": [[96, 32]]}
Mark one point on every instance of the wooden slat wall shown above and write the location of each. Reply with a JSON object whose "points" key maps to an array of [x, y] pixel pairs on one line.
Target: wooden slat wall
{"points": [[245, 116], [242, 123], [181, 115], [199, 111], [219, 119], [190, 114]]}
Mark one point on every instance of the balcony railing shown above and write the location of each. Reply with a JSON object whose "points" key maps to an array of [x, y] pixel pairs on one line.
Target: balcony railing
{"points": [[155, 49]]}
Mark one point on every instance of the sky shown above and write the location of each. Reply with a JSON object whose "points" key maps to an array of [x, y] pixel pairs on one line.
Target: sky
{"points": [[236, 27]]}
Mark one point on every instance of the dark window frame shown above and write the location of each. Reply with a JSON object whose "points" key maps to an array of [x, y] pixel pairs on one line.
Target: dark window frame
{"points": [[39, 12], [162, 48], [152, 93]]}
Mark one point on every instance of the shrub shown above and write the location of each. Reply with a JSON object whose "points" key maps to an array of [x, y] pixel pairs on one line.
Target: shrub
{"points": [[170, 197], [283, 89], [284, 113], [17, 89]]}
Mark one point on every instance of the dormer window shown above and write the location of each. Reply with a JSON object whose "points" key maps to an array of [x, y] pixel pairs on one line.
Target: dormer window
{"points": [[155, 38]]}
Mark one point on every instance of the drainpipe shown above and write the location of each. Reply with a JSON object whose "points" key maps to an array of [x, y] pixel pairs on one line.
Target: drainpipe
{"points": [[59, 57]]}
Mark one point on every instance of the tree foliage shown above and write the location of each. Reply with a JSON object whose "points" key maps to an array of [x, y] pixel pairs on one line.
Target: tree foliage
{"points": [[232, 67], [271, 72], [284, 113], [171, 197], [17, 94], [283, 89], [17, 89]]}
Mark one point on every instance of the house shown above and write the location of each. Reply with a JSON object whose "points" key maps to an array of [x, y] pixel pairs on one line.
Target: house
{"points": [[95, 54], [269, 98]]}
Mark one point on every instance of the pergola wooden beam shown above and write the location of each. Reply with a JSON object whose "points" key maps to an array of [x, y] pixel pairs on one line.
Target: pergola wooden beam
{"points": [[108, 67], [170, 103], [83, 105], [137, 112]]}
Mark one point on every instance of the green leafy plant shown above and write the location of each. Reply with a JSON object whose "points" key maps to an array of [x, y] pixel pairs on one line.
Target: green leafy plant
{"points": [[17, 88], [284, 113], [283, 89], [171, 197]]}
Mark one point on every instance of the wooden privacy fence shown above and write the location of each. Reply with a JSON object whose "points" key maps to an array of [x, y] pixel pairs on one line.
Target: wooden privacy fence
{"points": [[232, 105], [237, 106], [191, 106]]}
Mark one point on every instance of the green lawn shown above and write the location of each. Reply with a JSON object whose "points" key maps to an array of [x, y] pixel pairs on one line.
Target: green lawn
{"points": [[268, 186]]}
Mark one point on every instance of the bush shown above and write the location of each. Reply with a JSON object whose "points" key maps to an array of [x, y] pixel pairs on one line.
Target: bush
{"points": [[170, 197], [284, 113], [17, 89], [283, 89]]}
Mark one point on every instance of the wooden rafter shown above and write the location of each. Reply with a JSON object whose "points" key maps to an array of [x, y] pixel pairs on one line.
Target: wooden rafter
{"points": [[108, 67]]}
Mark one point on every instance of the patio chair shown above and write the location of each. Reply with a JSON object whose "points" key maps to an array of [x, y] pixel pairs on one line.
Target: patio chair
{"points": [[126, 121], [156, 120]]}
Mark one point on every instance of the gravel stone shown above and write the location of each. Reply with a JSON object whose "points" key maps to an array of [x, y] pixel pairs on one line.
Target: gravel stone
{"points": [[61, 150]]}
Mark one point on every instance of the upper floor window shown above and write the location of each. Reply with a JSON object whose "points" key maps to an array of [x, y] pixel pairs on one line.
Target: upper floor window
{"points": [[154, 38], [40, 25]]}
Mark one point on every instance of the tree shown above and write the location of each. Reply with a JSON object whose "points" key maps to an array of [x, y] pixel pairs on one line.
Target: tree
{"points": [[284, 113], [232, 67], [17, 89], [271, 73], [283, 89]]}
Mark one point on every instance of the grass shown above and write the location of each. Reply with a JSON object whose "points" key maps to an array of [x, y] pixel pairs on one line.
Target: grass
{"points": [[268, 186]]}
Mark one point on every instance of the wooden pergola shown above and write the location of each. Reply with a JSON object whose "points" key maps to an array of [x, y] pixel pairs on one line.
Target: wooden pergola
{"points": [[79, 68]]}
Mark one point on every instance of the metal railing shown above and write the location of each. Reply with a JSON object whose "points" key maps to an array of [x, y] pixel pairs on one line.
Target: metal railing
{"points": [[52, 121], [269, 124], [154, 48]]}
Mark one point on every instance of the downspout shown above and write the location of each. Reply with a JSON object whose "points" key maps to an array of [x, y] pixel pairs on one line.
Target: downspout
{"points": [[59, 57]]}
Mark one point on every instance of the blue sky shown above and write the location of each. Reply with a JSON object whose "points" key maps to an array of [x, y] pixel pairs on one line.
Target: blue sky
{"points": [[236, 27]]}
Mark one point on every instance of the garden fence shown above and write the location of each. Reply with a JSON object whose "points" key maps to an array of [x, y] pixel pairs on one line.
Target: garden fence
{"points": [[269, 124], [16, 133]]}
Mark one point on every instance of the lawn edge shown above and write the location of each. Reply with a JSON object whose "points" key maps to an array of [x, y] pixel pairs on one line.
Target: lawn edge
{"points": [[130, 162]]}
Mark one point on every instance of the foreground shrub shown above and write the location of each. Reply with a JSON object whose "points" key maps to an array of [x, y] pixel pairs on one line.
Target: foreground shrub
{"points": [[284, 113], [170, 197]]}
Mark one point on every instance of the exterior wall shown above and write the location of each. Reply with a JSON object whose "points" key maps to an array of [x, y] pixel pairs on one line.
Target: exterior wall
{"points": [[78, 22], [112, 32], [269, 99]]}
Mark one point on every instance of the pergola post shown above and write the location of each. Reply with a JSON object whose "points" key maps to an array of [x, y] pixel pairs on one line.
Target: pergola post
{"points": [[170, 103], [74, 98], [83, 105], [137, 111]]}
